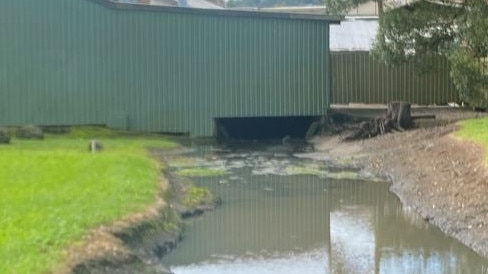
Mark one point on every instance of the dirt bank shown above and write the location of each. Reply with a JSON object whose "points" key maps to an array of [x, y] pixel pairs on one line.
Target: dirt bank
{"points": [[138, 242], [440, 176], [109, 249]]}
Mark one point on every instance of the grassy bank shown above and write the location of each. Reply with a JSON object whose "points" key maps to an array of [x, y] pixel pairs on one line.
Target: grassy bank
{"points": [[475, 130], [53, 191]]}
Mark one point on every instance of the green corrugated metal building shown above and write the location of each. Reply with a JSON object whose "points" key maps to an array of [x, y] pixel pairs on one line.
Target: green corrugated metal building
{"points": [[160, 69]]}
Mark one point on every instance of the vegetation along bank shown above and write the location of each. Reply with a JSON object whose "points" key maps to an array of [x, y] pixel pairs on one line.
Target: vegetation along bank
{"points": [[66, 209]]}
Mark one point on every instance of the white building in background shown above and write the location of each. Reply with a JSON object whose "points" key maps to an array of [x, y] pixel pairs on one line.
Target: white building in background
{"points": [[367, 9], [132, 1], [355, 33], [199, 4]]}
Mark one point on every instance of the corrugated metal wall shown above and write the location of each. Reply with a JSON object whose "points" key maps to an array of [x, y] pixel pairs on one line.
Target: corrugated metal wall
{"points": [[80, 62], [358, 78]]}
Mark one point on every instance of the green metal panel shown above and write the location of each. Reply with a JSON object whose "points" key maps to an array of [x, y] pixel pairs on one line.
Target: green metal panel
{"points": [[156, 69], [358, 78]]}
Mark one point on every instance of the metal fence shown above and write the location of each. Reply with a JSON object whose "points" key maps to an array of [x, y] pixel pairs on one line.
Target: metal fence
{"points": [[358, 78]]}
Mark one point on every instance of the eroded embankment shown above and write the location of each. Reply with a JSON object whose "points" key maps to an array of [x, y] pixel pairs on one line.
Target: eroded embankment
{"points": [[137, 243], [440, 176], [107, 249]]}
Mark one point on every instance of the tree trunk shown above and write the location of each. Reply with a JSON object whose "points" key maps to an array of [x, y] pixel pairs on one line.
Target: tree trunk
{"points": [[380, 7]]}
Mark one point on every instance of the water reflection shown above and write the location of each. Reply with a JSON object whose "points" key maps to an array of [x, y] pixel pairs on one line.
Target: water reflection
{"points": [[272, 222], [310, 262]]}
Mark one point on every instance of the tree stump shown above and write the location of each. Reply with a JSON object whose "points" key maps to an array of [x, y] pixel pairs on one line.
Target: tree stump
{"points": [[95, 146], [398, 117]]}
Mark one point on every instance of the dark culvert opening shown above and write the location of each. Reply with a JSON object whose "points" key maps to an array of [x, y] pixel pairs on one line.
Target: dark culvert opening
{"points": [[263, 128]]}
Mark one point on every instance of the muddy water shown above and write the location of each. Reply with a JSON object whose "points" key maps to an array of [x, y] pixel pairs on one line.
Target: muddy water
{"points": [[287, 214]]}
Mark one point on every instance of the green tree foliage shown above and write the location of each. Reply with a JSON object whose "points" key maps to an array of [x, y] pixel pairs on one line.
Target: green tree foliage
{"points": [[411, 32], [454, 29], [469, 62]]}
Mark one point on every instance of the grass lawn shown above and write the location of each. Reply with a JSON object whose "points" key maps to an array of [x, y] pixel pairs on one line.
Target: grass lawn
{"points": [[475, 130], [53, 191]]}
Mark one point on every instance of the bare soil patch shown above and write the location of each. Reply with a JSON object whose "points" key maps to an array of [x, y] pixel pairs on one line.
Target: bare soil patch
{"points": [[442, 177]]}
